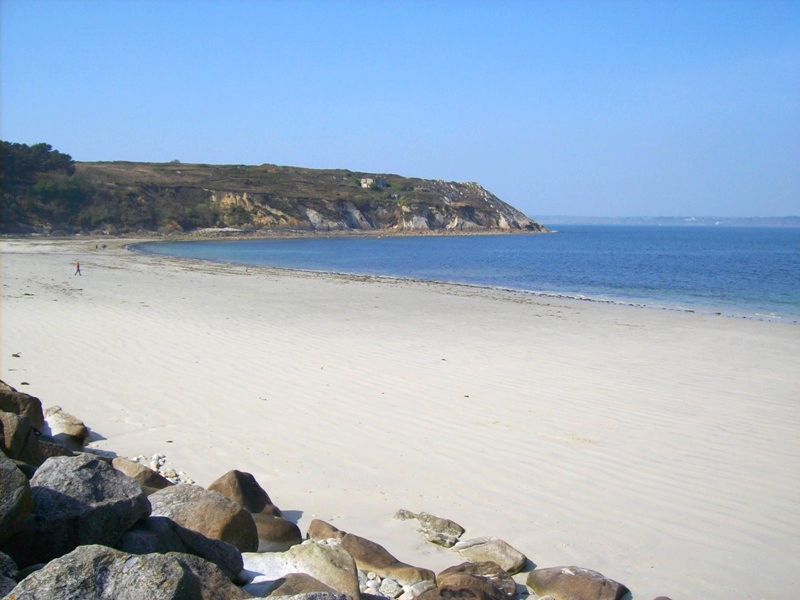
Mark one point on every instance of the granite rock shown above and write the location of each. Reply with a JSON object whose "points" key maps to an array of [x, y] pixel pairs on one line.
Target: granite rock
{"points": [[206, 512], [18, 439], [50, 447], [163, 535], [321, 530], [8, 574], [21, 404], [243, 489], [95, 572], [294, 584], [488, 571], [275, 533], [566, 583], [329, 564], [76, 501], [440, 531], [16, 501], [66, 429], [150, 480], [463, 586], [370, 556], [492, 549]]}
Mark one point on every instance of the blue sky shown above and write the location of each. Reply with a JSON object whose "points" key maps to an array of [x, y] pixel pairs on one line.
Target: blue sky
{"points": [[592, 108]]}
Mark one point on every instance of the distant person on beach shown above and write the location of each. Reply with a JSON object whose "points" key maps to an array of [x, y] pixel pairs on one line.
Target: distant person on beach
{"points": [[78, 269]]}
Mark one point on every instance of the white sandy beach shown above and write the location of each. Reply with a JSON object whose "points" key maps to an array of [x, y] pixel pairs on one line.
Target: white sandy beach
{"points": [[659, 448]]}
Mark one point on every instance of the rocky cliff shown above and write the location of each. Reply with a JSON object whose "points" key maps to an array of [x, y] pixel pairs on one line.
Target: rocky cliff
{"points": [[182, 197]]}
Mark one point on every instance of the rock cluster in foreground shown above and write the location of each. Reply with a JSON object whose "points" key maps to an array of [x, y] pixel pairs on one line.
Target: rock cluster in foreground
{"points": [[77, 525]]}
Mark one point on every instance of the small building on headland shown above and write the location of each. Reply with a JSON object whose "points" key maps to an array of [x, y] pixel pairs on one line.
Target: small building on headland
{"points": [[375, 184]]}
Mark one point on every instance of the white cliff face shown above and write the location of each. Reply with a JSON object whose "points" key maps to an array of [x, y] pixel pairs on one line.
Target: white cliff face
{"points": [[355, 218], [319, 222], [415, 222]]}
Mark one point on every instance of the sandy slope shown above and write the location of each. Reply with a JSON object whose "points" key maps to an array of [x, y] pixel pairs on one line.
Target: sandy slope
{"points": [[660, 448]]}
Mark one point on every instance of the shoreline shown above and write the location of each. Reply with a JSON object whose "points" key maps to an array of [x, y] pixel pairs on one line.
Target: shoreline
{"points": [[642, 303], [656, 447], [233, 234]]}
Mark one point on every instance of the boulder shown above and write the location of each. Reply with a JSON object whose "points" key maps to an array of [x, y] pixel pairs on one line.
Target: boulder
{"points": [[66, 429], [492, 549], [163, 535], [150, 480], [21, 404], [16, 501], [275, 534], [440, 531], [50, 447], [329, 564], [96, 572], [212, 581], [389, 588], [411, 592], [209, 513], [370, 556], [565, 583], [76, 500], [6, 585], [8, 574], [488, 571], [320, 530], [243, 489], [317, 596], [28, 470], [294, 584], [465, 587], [18, 439], [403, 514], [8, 568]]}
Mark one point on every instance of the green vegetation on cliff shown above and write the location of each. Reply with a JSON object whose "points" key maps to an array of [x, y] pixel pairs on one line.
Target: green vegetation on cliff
{"points": [[45, 190], [38, 185]]}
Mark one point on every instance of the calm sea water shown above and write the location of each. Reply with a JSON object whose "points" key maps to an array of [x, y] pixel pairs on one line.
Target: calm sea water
{"points": [[744, 272]]}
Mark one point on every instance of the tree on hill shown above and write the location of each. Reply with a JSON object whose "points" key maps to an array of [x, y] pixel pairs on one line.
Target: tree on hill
{"points": [[20, 163], [41, 191], [38, 186]]}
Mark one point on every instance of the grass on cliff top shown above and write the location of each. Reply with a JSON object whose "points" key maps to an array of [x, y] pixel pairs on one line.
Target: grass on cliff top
{"points": [[287, 182]]}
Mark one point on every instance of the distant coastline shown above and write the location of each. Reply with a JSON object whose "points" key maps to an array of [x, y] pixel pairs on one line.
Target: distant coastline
{"points": [[790, 221]]}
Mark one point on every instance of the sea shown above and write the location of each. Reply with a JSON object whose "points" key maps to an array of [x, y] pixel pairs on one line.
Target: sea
{"points": [[744, 272]]}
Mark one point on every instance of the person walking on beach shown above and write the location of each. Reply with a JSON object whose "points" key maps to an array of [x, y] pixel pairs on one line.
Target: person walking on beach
{"points": [[78, 269]]}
